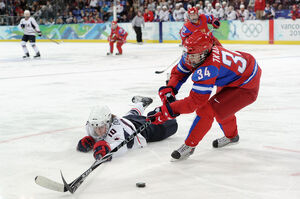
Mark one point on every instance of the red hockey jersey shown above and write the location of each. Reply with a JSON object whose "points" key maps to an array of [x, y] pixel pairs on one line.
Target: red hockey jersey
{"points": [[222, 68]]}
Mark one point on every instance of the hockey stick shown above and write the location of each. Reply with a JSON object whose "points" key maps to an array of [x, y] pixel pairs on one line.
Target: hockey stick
{"points": [[73, 186], [161, 71], [52, 39]]}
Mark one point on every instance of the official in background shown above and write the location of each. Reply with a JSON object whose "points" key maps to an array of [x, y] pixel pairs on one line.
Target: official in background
{"points": [[137, 23]]}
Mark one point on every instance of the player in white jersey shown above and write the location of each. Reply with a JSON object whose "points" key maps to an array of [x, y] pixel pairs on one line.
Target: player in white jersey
{"points": [[106, 131], [30, 28]]}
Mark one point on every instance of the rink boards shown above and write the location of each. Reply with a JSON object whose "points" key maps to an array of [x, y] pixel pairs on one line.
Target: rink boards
{"points": [[281, 31]]}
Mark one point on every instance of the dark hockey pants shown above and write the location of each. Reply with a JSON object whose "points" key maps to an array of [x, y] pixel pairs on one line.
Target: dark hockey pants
{"points": [[154, 133]]}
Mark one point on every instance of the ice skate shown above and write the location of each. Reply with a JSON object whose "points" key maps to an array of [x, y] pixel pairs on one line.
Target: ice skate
{"points": [[218, 143], [183, 152], [38, 55], [118, 53], [108, 53], [145, 100], [26, 56]]}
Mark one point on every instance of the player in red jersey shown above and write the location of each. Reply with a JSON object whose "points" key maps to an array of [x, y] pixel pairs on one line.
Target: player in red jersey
{"points": [[118, 35], [199, 22], [237, 76]]}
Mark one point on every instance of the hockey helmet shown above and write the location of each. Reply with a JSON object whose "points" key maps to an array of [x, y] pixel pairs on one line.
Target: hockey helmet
{"points": [[114, 24], [197, 47], [193, 15], [27, 13], [100, 120]]}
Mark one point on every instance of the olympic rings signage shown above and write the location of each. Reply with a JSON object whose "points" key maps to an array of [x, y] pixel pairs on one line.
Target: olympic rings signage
{"points": [[252, 30], [249, 30]]}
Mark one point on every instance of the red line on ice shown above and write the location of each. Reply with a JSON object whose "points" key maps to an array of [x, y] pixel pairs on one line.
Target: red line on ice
{"points": [[282, 149], [36, 134], [295, 174]]}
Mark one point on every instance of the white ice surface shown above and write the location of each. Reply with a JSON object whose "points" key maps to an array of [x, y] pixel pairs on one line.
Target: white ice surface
{"points": [[44, 105]]}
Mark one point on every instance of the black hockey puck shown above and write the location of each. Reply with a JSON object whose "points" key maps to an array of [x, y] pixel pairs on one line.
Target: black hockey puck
{"points": [[140, 184]]}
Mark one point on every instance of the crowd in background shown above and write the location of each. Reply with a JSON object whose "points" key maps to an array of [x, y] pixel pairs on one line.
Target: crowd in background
{"points": [[99, 11]]}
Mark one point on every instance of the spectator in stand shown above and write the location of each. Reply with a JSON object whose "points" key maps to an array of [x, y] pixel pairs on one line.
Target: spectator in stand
{"points": [[186, 13], [2, 7], [269, 12], [156, 14], [200, 9], [259, 7], [148, 15], [295, 13], [164, 14], [119, 9], [130, 14], [231, 15], [218, 12], [93, 4], [225, 8], [137, 23], [151, 5], [70, 18], [178, 14], [208, 10], [163, 3], [243, 14]]}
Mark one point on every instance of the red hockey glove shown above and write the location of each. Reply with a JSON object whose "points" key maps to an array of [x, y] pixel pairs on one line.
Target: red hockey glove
{"points": [[101, 148], [216, 23], [167, 94], [161, 114], [86, 144]]}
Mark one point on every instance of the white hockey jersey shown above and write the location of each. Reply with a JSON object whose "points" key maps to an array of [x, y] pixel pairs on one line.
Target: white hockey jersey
{"points": [[120, 129], [243, 15], [219, 14], [164, 15], [31, 27]]}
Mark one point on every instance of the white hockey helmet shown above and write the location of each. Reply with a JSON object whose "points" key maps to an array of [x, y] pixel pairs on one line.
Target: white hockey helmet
{"points": [[26, 13], [100, 116]]}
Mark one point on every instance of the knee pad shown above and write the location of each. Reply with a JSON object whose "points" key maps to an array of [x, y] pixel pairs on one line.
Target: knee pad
{"points": [[23, 43], [32, 44], [206, 111]]}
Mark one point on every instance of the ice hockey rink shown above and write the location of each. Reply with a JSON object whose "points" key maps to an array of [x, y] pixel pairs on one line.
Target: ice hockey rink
{"points": [[45, 103]]}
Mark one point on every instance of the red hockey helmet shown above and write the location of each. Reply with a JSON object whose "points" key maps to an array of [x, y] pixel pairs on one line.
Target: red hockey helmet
{"points": [[197, 47], [114, 24], [193, 15]]}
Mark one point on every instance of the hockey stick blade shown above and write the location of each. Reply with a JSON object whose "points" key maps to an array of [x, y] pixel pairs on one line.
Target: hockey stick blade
{"points": [[66, 185], [159, 72], [50, 184]]}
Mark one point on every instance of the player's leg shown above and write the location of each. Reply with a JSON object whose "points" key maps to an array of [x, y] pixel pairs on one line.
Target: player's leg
{"points": [[140, 103], [201, 125], [139, 35], [111, 47], [119, 47], [160, 132], [24, 47], [225, 104], [33, 45]]}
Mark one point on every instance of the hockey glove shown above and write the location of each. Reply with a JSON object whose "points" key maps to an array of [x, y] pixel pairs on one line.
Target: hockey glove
{"points": [[101, 148], [216, 23], [23, 26], [86, 144], [161, 114], [167, 94], [39, 33]]}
